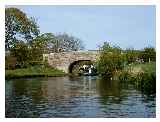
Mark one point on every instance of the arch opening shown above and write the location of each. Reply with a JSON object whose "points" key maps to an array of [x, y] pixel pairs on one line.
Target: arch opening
{"points": [[82, 67]]}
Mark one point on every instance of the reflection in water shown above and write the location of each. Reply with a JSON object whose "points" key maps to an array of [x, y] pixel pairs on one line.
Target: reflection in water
{"points": [[85, 96], [110, 91]]}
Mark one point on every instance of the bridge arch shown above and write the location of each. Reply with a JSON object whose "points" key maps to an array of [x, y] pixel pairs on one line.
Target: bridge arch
{"points": [[66, 60], [78, 64]]}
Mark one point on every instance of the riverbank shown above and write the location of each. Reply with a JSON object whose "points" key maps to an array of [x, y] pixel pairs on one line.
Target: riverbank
{"points": [[142, 75], [34, 71]]}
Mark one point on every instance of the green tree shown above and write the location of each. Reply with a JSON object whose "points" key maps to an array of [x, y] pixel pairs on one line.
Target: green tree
{"points": [[22, 54], [42, 44], [45, 42], [148, 54], [48, 42], [18, 27], [110, 61]]}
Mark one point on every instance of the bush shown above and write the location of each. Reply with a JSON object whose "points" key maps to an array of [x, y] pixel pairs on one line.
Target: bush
{"points": [[21, 52], [110, 61], [10, 62], [145, 80]]}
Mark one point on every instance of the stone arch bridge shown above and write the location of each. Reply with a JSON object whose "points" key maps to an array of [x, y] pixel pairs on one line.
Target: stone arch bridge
{"points": [[64, 60]]}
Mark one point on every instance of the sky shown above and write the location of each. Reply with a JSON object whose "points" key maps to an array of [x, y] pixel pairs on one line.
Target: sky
{"points": [[124, 26]]}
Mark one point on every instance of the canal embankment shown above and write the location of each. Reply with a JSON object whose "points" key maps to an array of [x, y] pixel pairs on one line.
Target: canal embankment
{"points": [[34, 71]]}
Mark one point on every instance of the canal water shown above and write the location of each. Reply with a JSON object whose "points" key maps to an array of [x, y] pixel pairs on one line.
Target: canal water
{"points": [[85, 96]]}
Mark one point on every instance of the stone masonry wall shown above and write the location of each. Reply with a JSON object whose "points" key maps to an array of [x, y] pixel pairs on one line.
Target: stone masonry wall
{"points": [[63, 60]]}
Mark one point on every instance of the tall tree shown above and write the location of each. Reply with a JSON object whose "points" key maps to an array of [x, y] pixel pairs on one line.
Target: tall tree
{"points": [[57, 43], [42, 44], [18, 27], [64, 42]]}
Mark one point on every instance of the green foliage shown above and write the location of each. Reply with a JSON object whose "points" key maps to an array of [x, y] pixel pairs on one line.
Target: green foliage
{"points": [[33, 71], [44, 42], [144, 80], [22, 56], [49, 42], [18, 27], [148, 54], [111, 60], [131, 55], [38, 48], [10, 62], [21, 53]]}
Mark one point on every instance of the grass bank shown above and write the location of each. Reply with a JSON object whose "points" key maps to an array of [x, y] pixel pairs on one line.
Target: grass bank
{"points": [[34, 71], [142, 75]]}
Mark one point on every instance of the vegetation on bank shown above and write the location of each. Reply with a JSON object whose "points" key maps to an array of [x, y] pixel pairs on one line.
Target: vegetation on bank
{"points": [[133, 66], [110, 61], [143, 76], [34, 71], [113, 59]]}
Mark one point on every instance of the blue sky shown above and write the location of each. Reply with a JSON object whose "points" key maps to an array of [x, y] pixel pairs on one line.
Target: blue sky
{"points": [[125, 26]]}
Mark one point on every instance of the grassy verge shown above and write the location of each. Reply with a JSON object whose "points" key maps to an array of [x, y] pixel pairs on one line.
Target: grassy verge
{"points": [[142, 75], [34, 71]]}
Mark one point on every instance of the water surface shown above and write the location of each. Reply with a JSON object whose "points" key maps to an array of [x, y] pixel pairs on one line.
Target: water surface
{"points": [[85, 96]]}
